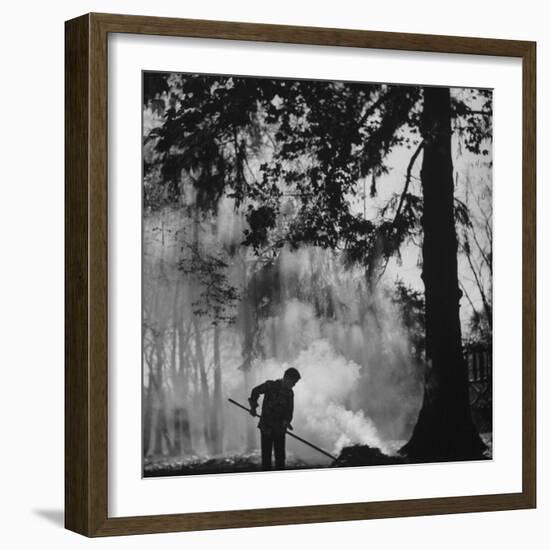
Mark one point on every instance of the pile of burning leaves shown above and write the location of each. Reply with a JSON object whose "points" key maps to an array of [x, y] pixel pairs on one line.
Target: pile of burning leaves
{"points": [[363, 455]]}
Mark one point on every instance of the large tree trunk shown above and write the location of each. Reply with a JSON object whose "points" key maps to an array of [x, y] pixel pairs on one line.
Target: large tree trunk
{"points": [[444, 430]]}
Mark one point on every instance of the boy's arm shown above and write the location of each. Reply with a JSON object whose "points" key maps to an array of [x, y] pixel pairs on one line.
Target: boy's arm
{"points": [[253, 399]]}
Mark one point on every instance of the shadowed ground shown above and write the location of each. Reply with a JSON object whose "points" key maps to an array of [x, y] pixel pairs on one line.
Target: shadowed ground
{"points": [[356, 455]]}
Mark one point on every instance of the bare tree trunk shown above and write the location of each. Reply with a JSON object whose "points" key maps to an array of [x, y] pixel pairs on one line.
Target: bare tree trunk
{"points": [[183, 369], [274, 337], [162, 424], [205, 394], [177, 358], [148, 402], [217, 417], [161, 433], [147, 418], [178, 393], [199, 353], [251, 441], [182, 428], [183, 385], [487, 309], [157, 449], [247, 351]]}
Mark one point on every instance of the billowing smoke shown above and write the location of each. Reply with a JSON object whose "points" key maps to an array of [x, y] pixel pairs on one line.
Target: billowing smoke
{"points": [[327, 385], [360, 383]]}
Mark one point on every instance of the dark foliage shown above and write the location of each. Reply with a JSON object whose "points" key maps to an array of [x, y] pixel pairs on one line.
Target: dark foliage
{"points": [[326, 137], [411, 304], [218, 298]]}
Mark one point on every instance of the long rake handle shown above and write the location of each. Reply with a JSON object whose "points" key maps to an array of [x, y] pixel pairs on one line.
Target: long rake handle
{"points": [[249, 411]]}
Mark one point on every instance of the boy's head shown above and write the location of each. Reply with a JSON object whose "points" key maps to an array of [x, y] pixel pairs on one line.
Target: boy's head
{"points": [[290, 377]]}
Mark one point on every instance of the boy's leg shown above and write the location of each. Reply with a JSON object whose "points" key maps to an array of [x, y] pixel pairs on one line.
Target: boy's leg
{"points": [[279, 443], [267, 449]]}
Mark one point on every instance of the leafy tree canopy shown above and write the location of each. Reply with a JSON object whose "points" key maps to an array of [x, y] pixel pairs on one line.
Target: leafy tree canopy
{"points": [[292, 153]]}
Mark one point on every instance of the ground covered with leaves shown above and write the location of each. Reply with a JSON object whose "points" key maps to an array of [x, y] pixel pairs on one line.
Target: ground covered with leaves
{"points": [[354, 455], [246, 462]]}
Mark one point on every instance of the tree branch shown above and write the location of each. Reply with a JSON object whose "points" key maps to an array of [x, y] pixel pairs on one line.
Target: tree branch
{"points": [[401, 201], [370, 110], [407, 183]]}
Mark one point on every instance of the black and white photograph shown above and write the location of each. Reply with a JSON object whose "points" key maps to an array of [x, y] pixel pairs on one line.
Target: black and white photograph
{"points": [[275, 275], [316, 274]]}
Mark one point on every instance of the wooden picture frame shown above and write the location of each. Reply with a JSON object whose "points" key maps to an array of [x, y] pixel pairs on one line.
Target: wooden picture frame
{"points": [[86, 281]]}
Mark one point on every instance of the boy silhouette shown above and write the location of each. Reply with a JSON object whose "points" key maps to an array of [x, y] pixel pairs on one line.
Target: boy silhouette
{"points": [[276, 417]]}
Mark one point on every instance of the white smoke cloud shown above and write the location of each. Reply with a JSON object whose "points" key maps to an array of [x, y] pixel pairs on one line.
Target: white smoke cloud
{"points": [[321, 399], [345, 427]]}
